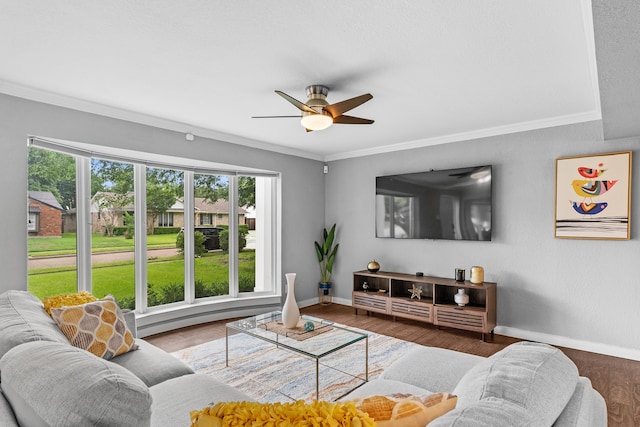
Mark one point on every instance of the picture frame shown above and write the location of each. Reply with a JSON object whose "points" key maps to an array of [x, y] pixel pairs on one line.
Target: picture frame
{"points": [[593, 196]]}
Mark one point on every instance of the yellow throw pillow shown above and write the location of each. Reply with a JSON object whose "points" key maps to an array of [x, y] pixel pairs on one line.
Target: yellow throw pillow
{"points": [[64, 300], [98, 327], [406, 410], [277, 414]]}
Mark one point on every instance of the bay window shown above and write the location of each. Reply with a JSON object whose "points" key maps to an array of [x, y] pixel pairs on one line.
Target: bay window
{"points": [[183, 221]]}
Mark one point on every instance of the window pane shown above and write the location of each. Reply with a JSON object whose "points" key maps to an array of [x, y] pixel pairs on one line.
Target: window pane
{"points": [[51, 229], [211, 226], [165, 218], [257, 258], [112, 231], [247, 230]]}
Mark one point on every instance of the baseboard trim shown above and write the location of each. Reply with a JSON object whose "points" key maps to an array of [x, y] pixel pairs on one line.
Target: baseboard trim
{"points": [[590, 346], [557, 340], [334, 300]]}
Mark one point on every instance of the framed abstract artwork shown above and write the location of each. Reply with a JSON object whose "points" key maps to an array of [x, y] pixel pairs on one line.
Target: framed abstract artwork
{"points": [[593, 196]]}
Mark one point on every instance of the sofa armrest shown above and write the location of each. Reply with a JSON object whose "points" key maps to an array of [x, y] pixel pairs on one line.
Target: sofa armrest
{"points": [[130, 318], [586, 407]]}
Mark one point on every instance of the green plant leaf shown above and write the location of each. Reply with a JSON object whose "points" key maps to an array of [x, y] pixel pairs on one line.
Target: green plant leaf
{"points": [[319, 252], [328, 240], [331, 259]]}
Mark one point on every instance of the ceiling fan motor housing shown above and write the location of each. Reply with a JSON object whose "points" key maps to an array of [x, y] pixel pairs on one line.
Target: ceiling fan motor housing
{"points": [[317, 98]]}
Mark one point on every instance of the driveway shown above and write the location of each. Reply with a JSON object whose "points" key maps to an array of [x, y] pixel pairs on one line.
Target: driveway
{"points": [[99, 258]]}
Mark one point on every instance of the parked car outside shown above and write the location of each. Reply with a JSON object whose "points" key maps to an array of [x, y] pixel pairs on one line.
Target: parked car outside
{"points": [[211, 236]]}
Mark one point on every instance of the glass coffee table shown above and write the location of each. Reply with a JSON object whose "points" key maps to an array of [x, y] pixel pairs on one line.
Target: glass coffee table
{"points": [[323, 339]]}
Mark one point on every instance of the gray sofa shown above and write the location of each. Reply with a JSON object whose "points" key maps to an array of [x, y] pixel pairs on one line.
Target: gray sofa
{"points": [[47, 382], [525, 384]]}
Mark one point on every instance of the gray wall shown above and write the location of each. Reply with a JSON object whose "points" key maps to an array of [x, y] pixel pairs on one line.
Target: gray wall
{"points": [[302, 180], [580, 293]]}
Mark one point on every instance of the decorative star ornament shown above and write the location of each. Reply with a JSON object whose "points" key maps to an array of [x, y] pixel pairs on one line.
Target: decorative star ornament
{"points": [[416, 291]]}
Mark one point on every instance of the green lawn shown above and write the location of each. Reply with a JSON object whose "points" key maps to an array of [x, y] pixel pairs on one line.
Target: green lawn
{"points": [[66, 245], [163, 275]]}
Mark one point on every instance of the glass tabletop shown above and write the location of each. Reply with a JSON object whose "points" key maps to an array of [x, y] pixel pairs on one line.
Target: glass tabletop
{"points": [[326, 337]]}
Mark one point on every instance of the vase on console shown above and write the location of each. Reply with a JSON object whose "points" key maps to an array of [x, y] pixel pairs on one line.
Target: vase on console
{"points": [[290, 310], [461, 298]]}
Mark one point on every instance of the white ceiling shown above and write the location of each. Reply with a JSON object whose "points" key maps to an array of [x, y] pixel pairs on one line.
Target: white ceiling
{"points": [[438, 70]]}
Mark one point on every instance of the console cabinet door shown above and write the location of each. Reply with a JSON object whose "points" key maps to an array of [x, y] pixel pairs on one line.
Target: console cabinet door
{"points": [[470, 320], [371, 302]]}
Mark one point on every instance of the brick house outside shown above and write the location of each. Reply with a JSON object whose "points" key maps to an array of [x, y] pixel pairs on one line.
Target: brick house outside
{"points": [[45, 215]]}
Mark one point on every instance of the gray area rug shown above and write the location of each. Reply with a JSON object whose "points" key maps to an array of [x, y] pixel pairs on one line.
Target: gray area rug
{"points": [[271, 374]]}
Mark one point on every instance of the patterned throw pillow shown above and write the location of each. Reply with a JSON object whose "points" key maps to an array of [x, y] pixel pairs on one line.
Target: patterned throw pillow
{"points": [[406, 410], [98, 327], [317, 413], [63, 300]]}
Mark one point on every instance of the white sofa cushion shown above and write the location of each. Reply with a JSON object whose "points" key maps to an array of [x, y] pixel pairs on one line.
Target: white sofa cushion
{"points": [[53, 384], [537, 377], [174, 399], [431, 368], [151, 364]]}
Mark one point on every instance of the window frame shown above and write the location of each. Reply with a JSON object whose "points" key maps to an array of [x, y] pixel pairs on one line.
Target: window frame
{"points": [[190, 311]]}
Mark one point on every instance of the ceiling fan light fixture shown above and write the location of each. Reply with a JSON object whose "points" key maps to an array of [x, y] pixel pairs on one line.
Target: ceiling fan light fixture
{"points": [[318, 121]]}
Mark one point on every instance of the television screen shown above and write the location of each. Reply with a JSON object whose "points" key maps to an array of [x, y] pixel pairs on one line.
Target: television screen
{"points": [[452, 204]]}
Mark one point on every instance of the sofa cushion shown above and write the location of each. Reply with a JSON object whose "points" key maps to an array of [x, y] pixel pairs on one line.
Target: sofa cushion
{"points": [[55, 384], [174, 399], [537, 377], [23, 319], [436, 369], [489, 412], [98, 327], [151, 364]]}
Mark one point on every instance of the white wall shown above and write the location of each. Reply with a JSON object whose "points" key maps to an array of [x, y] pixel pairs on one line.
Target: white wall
{"points": [[302, 180], [578, 293]]}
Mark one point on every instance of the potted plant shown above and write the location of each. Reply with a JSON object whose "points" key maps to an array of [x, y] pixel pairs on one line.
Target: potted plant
{"points": [[326, 253]]}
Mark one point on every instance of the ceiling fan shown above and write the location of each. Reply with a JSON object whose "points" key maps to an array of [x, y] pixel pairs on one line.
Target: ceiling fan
{"points": [[318, 114]]}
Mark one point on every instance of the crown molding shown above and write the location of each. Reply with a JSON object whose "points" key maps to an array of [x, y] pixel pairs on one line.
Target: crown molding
{"points": [[73, 103], [476, 134], [59, 100]]}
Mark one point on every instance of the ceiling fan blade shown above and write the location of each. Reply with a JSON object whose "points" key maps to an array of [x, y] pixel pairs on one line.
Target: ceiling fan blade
{"points": [[350, 120], [343, 106], [300, 105], [273, 117]]}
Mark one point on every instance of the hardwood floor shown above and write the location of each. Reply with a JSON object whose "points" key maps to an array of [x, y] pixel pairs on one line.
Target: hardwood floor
{"points": [[618, 380]]}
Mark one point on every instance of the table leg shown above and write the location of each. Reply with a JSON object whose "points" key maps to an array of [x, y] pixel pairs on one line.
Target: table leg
{"points": [[366, 359], [226, 346], [317, 379]]}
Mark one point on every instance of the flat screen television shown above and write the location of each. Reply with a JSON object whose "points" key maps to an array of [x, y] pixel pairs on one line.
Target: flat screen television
{"points": [[451, 204]]}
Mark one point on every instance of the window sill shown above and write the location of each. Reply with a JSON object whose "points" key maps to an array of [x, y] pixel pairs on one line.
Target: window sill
{"points": [[180, 315]]}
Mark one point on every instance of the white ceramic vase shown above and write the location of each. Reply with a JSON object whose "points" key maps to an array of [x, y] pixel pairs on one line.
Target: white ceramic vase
{"points": [[461, 298], [290, 310]]}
